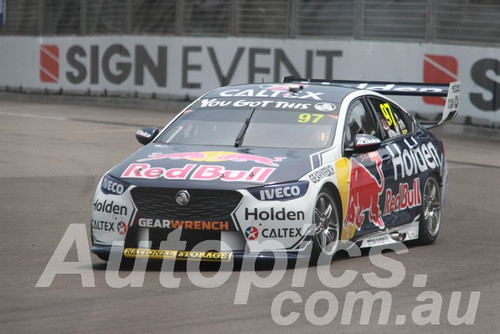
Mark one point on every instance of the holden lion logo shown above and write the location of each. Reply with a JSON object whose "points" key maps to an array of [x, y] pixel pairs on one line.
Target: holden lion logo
{"points": [[182, 198]]}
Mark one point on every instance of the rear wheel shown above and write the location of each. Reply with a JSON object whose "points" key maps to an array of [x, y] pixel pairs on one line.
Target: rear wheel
{"points": [[326, 225], [430, 216]]}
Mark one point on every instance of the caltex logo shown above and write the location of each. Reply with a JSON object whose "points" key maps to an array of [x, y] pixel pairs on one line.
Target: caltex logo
{"points": [[122, 228], [252, 233]]}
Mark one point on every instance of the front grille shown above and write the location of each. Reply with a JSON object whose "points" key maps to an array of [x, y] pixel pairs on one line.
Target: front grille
{"points": [[204, 204]]}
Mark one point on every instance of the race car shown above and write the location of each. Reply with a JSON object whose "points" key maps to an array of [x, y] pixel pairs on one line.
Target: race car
{"points": [[276, 169]]}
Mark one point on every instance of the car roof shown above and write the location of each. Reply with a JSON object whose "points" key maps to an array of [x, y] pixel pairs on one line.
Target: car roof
{"points": [[278, 91]]}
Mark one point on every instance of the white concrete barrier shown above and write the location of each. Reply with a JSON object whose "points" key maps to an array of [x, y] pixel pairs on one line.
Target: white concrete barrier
{"points": [[180, 67]]}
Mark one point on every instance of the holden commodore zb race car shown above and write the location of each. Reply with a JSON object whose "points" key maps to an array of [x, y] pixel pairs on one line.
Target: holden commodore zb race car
{"points": [[273, 169]]}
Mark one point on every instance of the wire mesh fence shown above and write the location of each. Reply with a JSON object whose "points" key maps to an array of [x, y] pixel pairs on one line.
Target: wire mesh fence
{"points": [[444, 21]]}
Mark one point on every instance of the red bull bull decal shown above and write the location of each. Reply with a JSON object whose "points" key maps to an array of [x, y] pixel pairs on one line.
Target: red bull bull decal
{"points": [[364, 193], [201, 173], [215, 156]]}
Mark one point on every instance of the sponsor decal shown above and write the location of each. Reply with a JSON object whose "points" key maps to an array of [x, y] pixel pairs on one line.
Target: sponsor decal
{"points": [[376, 241], [160, 254], [214, 225], [143, 134], [321, 173], [103, 225], [364, 193], [363, 141], [270, 93], [251, 233], [215, 156], [325, 106], [273, 214], [49, 63], [110, 185], [439, 68], [281, 192], [400, 87], [122, 228], [110, 207], [202, 173], [414, 158], [207, 103], [286, 232], [406, 198]]}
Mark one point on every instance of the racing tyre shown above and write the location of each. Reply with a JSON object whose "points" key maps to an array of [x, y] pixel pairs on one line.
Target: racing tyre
{"points": [[430, 215], [326, 226]]}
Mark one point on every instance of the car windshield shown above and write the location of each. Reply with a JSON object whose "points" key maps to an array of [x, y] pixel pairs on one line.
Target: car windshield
{"points": [[252, 127]]}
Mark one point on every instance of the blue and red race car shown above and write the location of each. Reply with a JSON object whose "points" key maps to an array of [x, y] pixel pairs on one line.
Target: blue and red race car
{"points": [[274, 169]]}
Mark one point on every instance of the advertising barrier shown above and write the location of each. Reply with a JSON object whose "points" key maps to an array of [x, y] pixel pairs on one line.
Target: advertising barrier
{"points": [[186, 67]]}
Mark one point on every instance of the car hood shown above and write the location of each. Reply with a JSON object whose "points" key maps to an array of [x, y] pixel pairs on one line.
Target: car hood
{"points": [[205, 167]]}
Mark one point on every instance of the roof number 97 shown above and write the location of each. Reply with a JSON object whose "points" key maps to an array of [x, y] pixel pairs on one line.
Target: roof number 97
{"points": [[310, 118], [388, 114]]}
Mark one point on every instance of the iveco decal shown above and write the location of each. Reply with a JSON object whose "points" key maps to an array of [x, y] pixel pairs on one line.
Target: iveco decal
{"points": [[110, 185], [282, 192]]}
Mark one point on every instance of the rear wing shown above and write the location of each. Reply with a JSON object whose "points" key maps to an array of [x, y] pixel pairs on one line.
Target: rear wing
{"points": [[450, 91]]}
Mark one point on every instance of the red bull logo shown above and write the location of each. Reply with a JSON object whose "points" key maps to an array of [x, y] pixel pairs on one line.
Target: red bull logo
{"points": [[215, 156], [364, 193], [198, 172]]}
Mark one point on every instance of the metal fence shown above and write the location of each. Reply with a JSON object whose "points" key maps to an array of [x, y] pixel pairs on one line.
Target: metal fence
{"points": [[445, 21]]}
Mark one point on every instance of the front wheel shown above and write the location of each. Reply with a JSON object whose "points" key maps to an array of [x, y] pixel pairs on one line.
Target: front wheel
{"points": [[430, 215], [326, 225]]}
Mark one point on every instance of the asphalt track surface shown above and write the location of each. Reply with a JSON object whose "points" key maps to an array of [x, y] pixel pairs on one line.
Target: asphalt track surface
{"points": [[51, 159]]}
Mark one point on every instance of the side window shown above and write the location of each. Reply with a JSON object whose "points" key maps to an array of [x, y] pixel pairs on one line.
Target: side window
{"points": [[391, 117], [359, 120]]}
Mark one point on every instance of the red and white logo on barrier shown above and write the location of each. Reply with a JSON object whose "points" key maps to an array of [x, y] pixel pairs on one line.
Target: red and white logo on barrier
{"points": [[49, 63], [439, 69]]}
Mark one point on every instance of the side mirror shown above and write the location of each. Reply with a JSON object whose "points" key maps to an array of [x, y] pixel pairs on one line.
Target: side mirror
{"points": [[146, 135], [365, 143]]}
